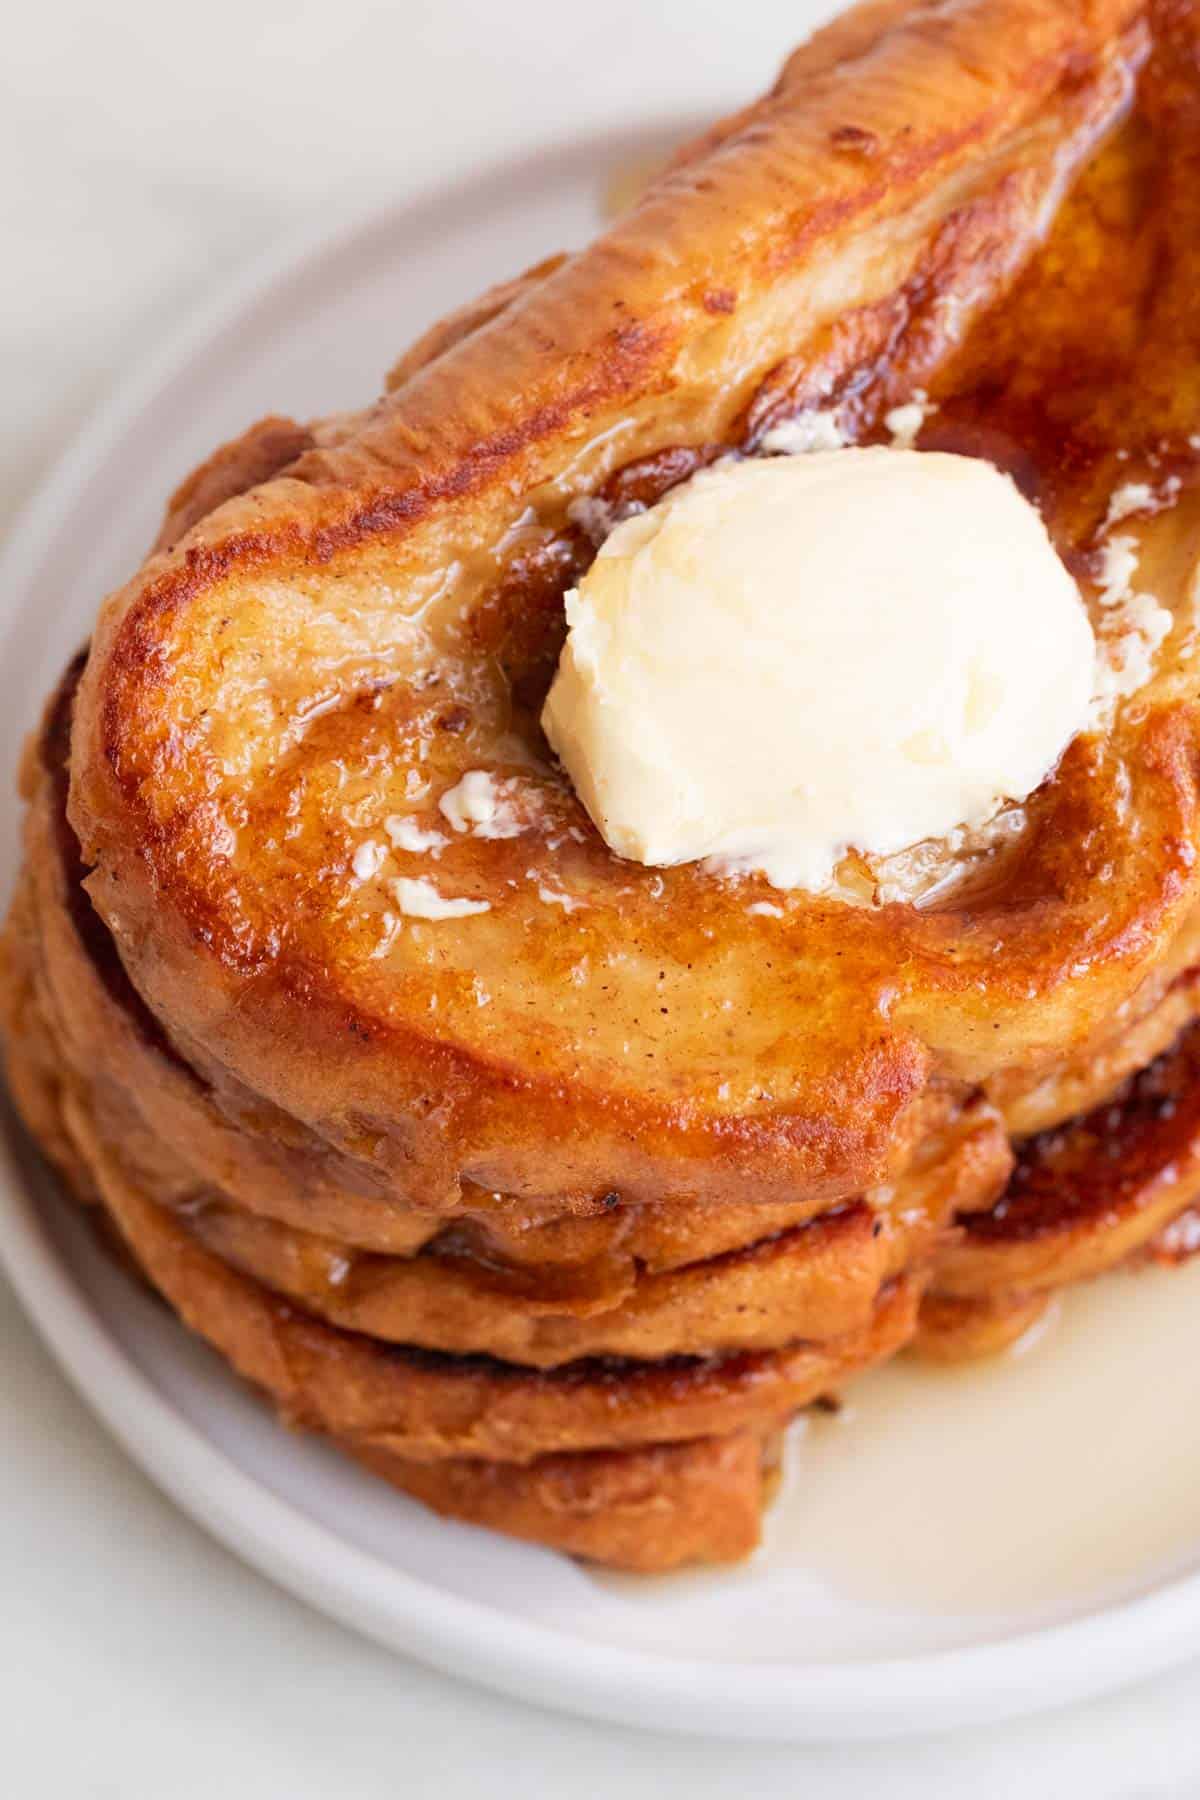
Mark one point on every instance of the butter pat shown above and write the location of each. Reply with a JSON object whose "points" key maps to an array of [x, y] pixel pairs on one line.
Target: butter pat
{"points": [[789, 658]]}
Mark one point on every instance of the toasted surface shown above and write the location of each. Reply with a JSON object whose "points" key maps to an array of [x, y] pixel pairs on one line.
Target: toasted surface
{"points": [[339, 646], [1137, 1148], [553, 1214], [220, 1146], [399, 1399], [426, 1405], [1036, 1100], [646, 1510], [952, 1329], [1088, 1194]]}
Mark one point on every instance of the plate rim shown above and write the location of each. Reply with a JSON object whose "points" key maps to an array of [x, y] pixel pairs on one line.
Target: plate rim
{"points": [[1016, 1675]]}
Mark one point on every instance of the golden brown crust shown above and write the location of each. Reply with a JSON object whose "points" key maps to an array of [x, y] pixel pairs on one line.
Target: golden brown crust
{"points": [[1087, 1195], [409, 1403], [592, 1508], [955, 1330], [621, 1146], [617, 354], [426, 1406], [819, 1281], [643, 1510], [1032, 1101], [145, 1093]]}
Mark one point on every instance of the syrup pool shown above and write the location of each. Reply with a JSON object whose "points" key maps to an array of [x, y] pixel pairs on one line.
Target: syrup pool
{"points": [[1034, 1482]]}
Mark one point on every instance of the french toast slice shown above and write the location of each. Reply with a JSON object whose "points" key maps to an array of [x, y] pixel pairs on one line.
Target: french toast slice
{"points": [[1087, 1195], [340, 646], [1116, 1186], [648, 1511]]}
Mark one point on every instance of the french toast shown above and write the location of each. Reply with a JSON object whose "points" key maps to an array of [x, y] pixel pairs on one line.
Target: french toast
{"points": [[553, 1197], [216, 766]]}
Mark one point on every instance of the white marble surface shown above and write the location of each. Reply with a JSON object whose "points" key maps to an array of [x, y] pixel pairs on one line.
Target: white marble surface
{"points": [[147, 153]]}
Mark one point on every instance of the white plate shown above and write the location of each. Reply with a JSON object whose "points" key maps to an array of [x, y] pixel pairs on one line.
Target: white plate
{"points": [[954, 1548]]}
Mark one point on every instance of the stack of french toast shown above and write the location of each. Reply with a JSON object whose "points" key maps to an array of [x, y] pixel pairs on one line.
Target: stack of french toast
{"points": [[548, 1184]]}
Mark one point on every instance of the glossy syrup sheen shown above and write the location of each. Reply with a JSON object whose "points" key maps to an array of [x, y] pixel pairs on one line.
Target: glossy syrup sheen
{"points": [[1049, 1477], [710, 1047], [1055, 1477]]}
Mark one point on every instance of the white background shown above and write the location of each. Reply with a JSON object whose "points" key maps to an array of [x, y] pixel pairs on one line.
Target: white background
{"points": [[145, 154]]}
